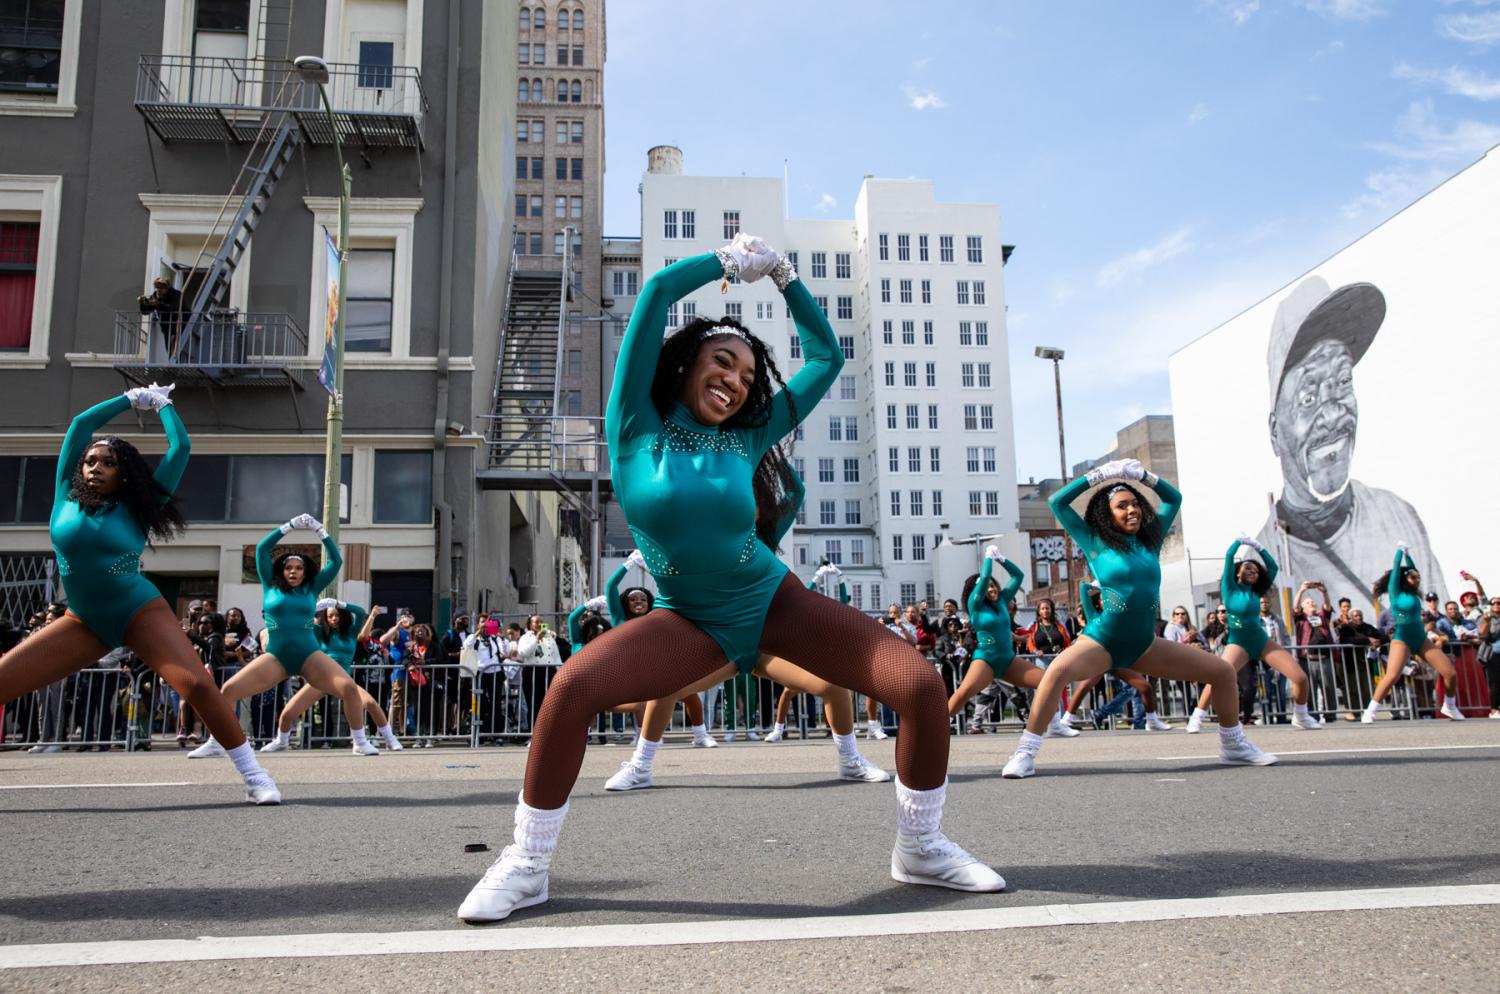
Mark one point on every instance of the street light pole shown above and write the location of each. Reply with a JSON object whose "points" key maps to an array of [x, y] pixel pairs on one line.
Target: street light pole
{"points": [[1056, 355], [315, 70]]}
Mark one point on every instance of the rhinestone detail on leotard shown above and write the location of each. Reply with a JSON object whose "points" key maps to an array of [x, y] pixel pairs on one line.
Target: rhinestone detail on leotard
{"points": [[675, 438], [127, 565]]}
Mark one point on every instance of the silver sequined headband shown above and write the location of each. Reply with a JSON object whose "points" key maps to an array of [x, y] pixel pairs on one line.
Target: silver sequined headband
{"points": [[724, 329], [292, 556], [1117, 488]]}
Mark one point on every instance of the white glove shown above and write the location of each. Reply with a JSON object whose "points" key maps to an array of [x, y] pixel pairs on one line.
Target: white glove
{"points": [[1402, 547], [325, 604], [308, 522], [1104, 471], [1131, 469], [835, 570], [993, 552], [151, 398], [1247, 540], [823, 571], [752, 256], [635, 559], [598, 604]]}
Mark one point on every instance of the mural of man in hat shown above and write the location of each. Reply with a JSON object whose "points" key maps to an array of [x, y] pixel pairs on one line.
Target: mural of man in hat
{"points": [[1337, 529]]}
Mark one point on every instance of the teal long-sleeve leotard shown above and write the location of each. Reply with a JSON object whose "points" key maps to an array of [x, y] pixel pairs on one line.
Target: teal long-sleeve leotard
{"points": [[341, 648], [686, 488], [291, 634], [1406, 607], [1129, 579], [99, 552], [617, 615], [1242, 604], [991, 622]]}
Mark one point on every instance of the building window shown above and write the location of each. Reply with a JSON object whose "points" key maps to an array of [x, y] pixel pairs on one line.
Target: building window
{"points": [[927, 291], [971, 459], [919, 555], [984, 374], [945, 248], [928, 337], [887, 335], [914, 501], [846, 308], [976, 503], [913, 417], [965, 333], [846, 346], [851, 512], [560, 207], [841, 268], [966, 374], [903, 248], [19, 244], [536, 167], [577, 55], [856, 558], [922, 248], [672, 321], [884, 243], [561, 170], [875, 595], [689, 221], [932, 417], [577, 171], [835, 429], [539, 18], [981, 333], [909, 374], [792, 258], [893, 459], [971, 417], [526, 18], [932, 374], [897, 552], [992, 503], [906, 291], [800, 549], [935, 459], [908, 331], [820, 265], [833, 550], [578, 19], [520, 205], [932, 597], [937, 507], [732, 309], [370, 296], [731, 225], [796, 352], [825, 470], [890, 374], [890, 416], [822, 303], [914, 459], [976, 249], [1041, 573], [963, 291], [989, 459], [851, 471], [828, 512], [895, 503], [575, 211], [986, 417], [885, 291], [763, 310], [521, 167], [851, 428], [979, 292], [668, 224], [404, 493], [847, 388]]}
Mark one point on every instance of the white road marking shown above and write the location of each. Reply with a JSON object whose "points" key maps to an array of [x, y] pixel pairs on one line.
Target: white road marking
{"points": [[74, 786], [502, 938], [1170, 780], [1330, 752]]}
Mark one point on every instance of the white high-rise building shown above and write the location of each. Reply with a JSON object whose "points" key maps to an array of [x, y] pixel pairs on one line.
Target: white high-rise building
{"points": [[913, 446]]}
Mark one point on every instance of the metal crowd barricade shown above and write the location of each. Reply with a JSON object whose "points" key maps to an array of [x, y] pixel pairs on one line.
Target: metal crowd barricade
{"points": [[90, 709]]}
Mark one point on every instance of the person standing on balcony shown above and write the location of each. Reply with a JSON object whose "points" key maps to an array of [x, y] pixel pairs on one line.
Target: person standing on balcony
{"points": [[695, 426], [164, 305], [108, 505]]}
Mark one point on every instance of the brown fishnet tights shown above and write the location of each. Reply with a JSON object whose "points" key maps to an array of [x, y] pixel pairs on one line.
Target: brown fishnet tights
{"points": [[663, 652]]}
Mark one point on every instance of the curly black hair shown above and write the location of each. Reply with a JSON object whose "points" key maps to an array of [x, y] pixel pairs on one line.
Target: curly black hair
{"points": [[1262, 582], [152, 506], [591, 627], [973, 582], [346, 620], [678, 353], [311, 563], [1101, 520], [650, 598], [1383, 584]]}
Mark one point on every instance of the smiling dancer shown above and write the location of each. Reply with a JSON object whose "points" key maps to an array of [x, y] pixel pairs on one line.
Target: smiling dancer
{"points": [[340, 629], [1122, 537], [995, 654], [292, 648], [1244, 583], [694, 429], [107, 506], [1403, 584]]}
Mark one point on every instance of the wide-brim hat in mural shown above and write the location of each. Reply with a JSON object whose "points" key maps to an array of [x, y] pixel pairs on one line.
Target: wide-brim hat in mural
{"points": [[1312, 313]]}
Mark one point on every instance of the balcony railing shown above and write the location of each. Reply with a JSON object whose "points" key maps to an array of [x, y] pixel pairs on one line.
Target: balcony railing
{"points": [[546, 451], [203, 98], [224, 348]]}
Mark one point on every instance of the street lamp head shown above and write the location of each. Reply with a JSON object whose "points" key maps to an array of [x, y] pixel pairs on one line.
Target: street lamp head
{"points": [[311, 68], [1047, 352]]}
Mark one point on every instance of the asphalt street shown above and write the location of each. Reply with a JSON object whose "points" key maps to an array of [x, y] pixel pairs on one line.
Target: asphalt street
{"points": [[154, 846]]}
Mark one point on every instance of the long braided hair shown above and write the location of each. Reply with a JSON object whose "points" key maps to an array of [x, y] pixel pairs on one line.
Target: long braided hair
{"points": [[152, 506], [772, 475]]}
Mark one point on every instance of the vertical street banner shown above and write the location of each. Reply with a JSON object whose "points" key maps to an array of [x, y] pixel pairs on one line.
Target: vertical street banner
{"points": [[326, 373]]}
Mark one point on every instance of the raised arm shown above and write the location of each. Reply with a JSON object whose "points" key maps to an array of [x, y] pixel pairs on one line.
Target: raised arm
{"points": [[1171, 502], [263, 566], [617, 614], [1393, 585], [630, 411], [1013, 585], [1061, 503], [981, 588], [80, 434], [821, 362], [330, 570], [179, 445], [575, 624], [362, 621], [1272, 569], [1228, 580]]}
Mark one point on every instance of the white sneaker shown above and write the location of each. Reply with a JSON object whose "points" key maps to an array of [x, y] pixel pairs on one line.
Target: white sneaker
{"points": [[1306, 722], [518, 879], [45, 748], [630, 777], [1195, 721], [776, 735], [938, 861], [705, 742], [365, 748], [1155, 724], [752, 736], [1370, 711], [730, 736], [1059, 729], [875, 732], [1450, 708], [1067, 718], [208, 750], [1021, 764], [275, 745], [860, 769], [394, 744], [1495, 715], [261, 789], [1242, 752]]}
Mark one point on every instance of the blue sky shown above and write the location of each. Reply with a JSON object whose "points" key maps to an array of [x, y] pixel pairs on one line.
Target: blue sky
{"points": [[1160, 166]]}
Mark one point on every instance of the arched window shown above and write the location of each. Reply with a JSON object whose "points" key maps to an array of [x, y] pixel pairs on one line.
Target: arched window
{"points": [[562, 20], [578, 20], [539, 18], [562, 91], [523, 91], [577, 91], [525, 18]]}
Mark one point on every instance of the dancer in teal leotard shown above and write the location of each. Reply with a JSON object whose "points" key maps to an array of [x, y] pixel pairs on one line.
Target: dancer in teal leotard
{"points": [[1122, 537], [1244, 583], [107, 505], [995, 654], [1092, 607], [340, 629], [292, 647], [694, 425], [1403, 584]]}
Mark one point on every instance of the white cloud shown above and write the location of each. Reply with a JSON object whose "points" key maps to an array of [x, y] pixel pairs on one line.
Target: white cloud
{"points": [[1421, 138], [1455, 80], [1198, 113], [923, 99], [1388, 190], [1475, 29], [1239, 11], [1346, 10], [826, 203], [1132, 264]]}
